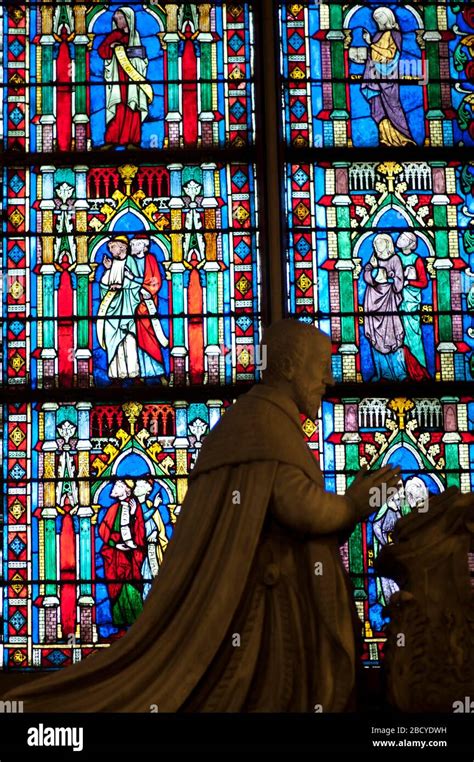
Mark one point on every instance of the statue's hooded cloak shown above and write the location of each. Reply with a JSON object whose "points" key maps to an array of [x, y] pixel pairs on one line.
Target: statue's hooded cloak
{"points": [[226, 626]]}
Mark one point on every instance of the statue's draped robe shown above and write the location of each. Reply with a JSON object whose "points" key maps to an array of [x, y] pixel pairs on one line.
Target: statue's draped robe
{"points": [[252, 608]]}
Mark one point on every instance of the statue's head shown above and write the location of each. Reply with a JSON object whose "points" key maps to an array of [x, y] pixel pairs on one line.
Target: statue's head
{"points": [[298, 363], [406, 242], [385, 19]]}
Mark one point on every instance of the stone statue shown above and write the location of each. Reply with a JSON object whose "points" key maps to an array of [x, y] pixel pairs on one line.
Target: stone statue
{"points": [[429, 652], [252, 609]]}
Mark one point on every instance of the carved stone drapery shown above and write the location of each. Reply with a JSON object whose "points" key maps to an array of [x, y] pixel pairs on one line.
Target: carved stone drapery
{"points": [[430, 646]]}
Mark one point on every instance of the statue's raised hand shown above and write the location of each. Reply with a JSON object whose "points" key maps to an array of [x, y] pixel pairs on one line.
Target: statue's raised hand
{"points": [[367, 484]]}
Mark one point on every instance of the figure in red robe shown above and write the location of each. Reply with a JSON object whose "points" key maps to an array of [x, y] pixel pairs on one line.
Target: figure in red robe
{"points": [[123, 533], [128, 94], [415, 280]]}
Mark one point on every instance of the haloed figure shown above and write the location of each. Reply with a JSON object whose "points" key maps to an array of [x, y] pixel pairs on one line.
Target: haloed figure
{"points": [[128, 94], [383, 326], [381, 80]]}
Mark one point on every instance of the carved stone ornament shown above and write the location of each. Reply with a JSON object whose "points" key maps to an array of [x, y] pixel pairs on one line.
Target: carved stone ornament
{"points": [[430, 647]]}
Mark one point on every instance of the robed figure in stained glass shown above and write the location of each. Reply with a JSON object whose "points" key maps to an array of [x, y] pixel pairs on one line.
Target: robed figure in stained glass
{"points": [[157, 540], [145, 271], [128, 328], [416, 280], [120, 296], [381, 80], [384, 330], [122, 531], [128, 94]]}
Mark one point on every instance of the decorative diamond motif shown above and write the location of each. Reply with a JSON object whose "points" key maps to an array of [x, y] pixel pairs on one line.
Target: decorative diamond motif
{"points": [[295, 9], [309, 427], [299, 141], [17, 509], [235, 10], [17, 362], [237, 110], [301, 211], [244, 358], [243, 285], [17, 545], [19, 657], [16, 116], [16, 183], [57, 657], [298, 109], [296, 41], [17, 472], [302, 247], [16, 290], [239, 141], [16, 14], [16, 48], [304, 283], [16, 218], [16, 327], [17, 79], [300, 177], [241, 214], [236, 73], [17, 585], [242, 249], [239, 179], [235, 43], [297, 73], [17, 620], [16, 254], [244, 322], [17, 436]]}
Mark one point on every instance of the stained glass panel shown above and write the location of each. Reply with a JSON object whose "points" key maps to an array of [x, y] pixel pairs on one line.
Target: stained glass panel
{"points": [[93, 493], [138, 271], [146, 272], [376, 73], [381, 255], [127, 75], [430, 438]]}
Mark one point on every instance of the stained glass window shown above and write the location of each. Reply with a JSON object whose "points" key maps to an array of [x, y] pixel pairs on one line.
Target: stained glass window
{"points": [[136, 275], [84, 481], [390, 74], [416, 216], [377, 121], [131, 285]]}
